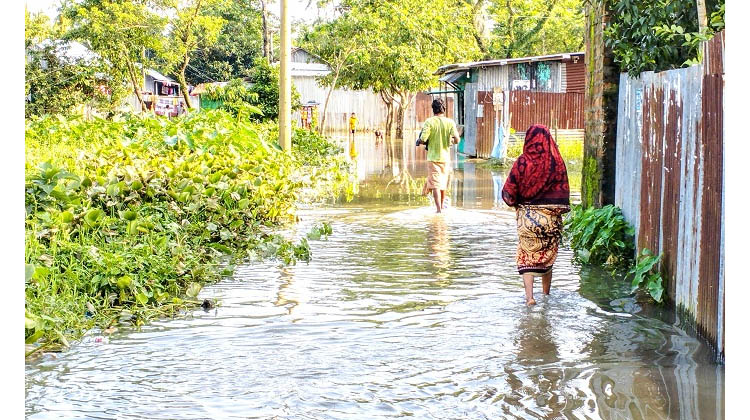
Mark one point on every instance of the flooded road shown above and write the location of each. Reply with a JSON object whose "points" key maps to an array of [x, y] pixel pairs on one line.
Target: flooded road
{"points": [[400, 313]]}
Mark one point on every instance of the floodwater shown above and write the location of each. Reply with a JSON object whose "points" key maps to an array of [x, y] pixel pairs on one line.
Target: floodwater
{"points": [[400, 313]]}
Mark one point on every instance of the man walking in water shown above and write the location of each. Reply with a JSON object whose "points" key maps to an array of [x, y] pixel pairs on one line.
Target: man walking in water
{"points": [[438, 133]]}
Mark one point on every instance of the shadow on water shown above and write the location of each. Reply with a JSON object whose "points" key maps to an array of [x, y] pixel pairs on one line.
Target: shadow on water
{"points": [[400, 313]]}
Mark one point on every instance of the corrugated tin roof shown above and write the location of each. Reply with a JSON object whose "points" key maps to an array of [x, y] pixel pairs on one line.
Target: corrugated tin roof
{"points": [[449, 68], [451, 77], [308, 69], [158, 76]]}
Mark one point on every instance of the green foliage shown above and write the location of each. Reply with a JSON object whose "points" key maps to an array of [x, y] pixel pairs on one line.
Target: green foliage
{"points": [[645, 276], [190, 29], [600, 235], [56, 84], [536, 27], [120, 33], [264, 82], [401, 43], [647, 35], [239, 43], [56, 81], [131, 213], [37, 28], [313, 146], [321, 230], [235, 98], [570, 150]]}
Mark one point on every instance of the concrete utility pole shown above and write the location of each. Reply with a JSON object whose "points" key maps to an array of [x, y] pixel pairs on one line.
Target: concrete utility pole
{"points": [[285, 90]]}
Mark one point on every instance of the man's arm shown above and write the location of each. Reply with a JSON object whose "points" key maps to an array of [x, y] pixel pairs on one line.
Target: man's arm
{"points": [[424, 134], [456, 137]]}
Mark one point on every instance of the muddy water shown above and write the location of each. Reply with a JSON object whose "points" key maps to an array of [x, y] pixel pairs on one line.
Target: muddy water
{"points": [[400, 313]]}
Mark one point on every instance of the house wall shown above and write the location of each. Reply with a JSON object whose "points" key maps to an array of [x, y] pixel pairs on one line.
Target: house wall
{"points": [[544, 76], [555, 99], [470, 126], [369, 107]]}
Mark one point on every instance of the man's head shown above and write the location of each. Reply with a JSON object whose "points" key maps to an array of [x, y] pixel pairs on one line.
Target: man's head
{"points": [[352, 114], [438, 106]]}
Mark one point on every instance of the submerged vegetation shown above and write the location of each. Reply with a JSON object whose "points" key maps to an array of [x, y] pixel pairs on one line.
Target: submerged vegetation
{"points": [[602, 237], [136, 213]]}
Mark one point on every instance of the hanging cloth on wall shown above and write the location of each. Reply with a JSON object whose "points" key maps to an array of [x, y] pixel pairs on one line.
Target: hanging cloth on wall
{"points": [[497, 150]]}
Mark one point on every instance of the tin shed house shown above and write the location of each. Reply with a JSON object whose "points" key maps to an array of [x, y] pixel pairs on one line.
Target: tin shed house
{"points": [[494, 98]]}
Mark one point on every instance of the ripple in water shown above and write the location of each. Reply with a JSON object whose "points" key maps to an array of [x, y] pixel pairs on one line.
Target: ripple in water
{"points": [[400, 313]]}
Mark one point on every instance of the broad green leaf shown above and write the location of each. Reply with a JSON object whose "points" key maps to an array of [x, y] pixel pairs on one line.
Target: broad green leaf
{"points": [[193, 290], [124, 282]]}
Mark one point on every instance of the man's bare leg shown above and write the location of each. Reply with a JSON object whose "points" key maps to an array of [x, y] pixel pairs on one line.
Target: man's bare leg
{"points": [[438, 203], [547, 282], [528, 285], [442, 197]]}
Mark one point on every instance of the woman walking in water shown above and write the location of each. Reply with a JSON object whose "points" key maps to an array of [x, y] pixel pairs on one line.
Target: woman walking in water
{"points": [[538, 189]]}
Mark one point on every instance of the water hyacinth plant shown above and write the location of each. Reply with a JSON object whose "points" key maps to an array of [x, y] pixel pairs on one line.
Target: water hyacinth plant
{"points": [[133, 212]]}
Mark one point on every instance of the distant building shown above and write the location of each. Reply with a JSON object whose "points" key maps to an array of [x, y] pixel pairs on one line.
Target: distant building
{"points": [[515, 93], [162, 94], [307, 69]]}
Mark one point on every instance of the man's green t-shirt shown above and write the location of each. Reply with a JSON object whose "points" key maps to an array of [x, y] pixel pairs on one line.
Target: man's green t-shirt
{"points": [[437, 132]]}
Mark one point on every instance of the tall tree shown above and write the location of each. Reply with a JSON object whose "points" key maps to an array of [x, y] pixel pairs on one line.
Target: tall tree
{"points": [[479, 22], [335, 43], [120, 32], [240, 41], [190, 29], [404, 43], [266, 30], [536, 27]]}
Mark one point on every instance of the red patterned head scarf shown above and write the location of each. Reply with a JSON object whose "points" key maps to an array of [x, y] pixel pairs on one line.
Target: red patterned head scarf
{"points": [[539, 175]]}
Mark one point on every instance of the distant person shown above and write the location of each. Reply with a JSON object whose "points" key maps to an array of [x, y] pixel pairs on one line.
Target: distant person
{"points": [[378, 137], [538, 189], [352, 128], [438, 133]]}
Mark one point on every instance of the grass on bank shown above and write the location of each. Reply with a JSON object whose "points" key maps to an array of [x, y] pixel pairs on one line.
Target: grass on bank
{"points": [[570, 150], [127, 218]]}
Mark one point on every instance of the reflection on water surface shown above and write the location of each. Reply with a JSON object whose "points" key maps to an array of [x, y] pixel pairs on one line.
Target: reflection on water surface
{"points": [[400, 313]]}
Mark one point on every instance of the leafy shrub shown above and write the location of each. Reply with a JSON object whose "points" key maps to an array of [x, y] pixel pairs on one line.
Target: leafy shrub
{"points": [[134, 212], [644, 275], [600, 235], [236, 98], [264, 82], [648, 35]]}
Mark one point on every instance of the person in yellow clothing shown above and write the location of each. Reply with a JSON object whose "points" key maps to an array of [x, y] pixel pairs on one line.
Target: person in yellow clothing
{"points": [[438, 133], [352, 127]]}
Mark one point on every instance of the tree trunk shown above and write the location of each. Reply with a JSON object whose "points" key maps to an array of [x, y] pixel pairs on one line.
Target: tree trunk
{"points": [[702, 20], [511, 35], [328, 97], [388, 100], [183, 83], [478, 22], [136, 87], [600, 105], [266, 37]]}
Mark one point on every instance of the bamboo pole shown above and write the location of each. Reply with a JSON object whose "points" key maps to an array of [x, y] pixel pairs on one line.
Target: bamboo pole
{"points": [[285, 88]]}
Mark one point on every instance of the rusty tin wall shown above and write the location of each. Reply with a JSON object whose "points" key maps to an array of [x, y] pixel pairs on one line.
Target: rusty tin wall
{"points": [[485, 124], [541, 107], [669, 181]]}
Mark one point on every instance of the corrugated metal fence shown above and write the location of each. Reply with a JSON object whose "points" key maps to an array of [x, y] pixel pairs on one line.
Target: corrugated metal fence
{"points": [[566, 109], [561, 110], [669, 181]]}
